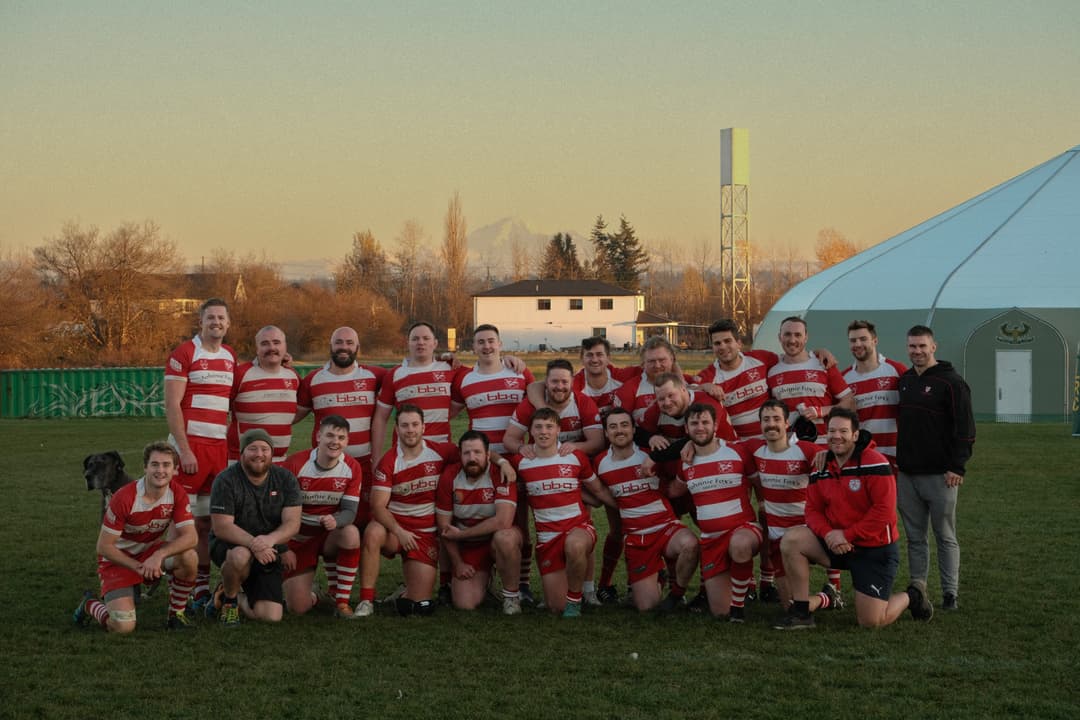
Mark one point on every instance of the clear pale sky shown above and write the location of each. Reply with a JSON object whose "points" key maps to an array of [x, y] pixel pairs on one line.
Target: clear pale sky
{"points": [[285, 127]]}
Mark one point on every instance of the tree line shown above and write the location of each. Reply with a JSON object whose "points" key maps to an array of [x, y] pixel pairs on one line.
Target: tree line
{"points": [[87, 297]]}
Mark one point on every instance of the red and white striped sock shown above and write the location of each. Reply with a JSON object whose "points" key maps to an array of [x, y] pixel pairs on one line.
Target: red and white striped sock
{"points": [[179, 591], [98, 611], [348, 562], [741, 576], [330, 567], [525, 574], [834, 578], [824, 601], [573, 597]]}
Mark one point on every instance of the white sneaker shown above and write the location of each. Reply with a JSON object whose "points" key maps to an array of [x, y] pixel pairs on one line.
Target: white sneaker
{"points": [[590, 599], [511, 606], [394, 595], [366, 608]]}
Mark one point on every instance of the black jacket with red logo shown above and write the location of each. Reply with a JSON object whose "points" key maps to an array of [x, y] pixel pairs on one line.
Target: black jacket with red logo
{"points": [[936, 428]]}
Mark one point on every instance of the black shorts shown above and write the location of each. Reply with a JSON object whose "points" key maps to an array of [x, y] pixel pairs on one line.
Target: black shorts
{"points": [[873, 569], [263, 581]]}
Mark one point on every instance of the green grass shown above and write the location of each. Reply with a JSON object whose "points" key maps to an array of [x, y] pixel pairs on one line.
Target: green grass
{"points": [[1010, 651]]}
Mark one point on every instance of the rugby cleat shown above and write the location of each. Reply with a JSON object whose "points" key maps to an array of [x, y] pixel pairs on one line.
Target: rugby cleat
{"points": [[836, 600], [795, 621], [229, 616], [393, 597], [526, 595], [671, 604], [918, 601], [343, 611], [737, 615], [589, 598], [767, 593], [511, 606], [365, 608], [572, 610], [81, 617], [213, 605], [179, 621], [608, 595]]}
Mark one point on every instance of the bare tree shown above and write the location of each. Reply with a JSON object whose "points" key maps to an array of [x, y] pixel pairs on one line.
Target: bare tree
{"points": [[29, 322], [454, 253], [406, 262], [520, 262], [113, 287]]}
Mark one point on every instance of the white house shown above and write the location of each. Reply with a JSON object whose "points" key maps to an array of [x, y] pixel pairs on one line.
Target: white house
{"points": [[543, 314]]}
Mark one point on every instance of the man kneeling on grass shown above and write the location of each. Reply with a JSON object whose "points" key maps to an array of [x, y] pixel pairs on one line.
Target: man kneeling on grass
{"points": [[850, 525], [254, 510], [133, 549]]}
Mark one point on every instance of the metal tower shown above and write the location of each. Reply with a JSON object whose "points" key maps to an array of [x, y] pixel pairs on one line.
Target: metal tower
{"points": [[734, 225]]}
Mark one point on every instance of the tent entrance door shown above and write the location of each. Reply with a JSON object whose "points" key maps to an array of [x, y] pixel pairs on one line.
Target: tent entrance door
{"points": [[1013, 373]]}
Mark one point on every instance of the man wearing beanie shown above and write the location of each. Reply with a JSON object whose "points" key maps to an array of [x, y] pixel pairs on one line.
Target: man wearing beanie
{"points": [[254, 510]]}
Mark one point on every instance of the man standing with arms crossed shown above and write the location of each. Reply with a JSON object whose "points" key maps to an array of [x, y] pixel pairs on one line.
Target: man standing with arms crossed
{"points": [[935, 437], [198, 384]]}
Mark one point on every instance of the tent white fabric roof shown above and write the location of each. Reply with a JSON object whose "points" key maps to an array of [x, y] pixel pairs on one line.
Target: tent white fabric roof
{"points": [[1017, 244]]}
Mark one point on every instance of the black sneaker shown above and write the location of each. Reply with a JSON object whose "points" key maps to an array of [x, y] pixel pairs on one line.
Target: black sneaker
{"points": [[836, 600], [794, 621], [949, 601], [527, 598], [918, 602], [768, 593], [607, 595], [671, 604], [180, 621], [737, 615], [700, 603]]}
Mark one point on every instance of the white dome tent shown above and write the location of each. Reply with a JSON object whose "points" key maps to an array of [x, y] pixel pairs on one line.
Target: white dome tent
{"points": [[996, 277]]}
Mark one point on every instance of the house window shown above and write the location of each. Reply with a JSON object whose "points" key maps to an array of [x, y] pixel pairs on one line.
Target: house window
{"points": [[607, 304], [544, 304], [577, 304], [599, 332]]}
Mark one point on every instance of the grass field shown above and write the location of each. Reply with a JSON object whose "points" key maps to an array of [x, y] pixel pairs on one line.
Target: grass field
{"points": [[1012, 650]]}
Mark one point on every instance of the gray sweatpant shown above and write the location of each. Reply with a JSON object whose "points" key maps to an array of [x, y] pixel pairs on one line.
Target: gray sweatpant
{"points": [[924, 500]]}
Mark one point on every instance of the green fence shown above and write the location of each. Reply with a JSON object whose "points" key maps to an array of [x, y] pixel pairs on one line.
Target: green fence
{"points": [[88, 392]]}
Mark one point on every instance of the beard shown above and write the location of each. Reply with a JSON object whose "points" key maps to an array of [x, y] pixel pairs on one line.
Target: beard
{"points": [[343, 358], [475, 469]]}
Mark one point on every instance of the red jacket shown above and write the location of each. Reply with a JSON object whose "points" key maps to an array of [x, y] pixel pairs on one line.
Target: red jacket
{"points": [[858, 498]]}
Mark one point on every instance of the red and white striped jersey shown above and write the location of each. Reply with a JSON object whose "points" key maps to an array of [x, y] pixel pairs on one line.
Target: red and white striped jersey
{"points": [[139, 525], [877, 400], [209, 378], [412, 483], [745, 389], [323, 490], [605, 397], [642, 507], [720, 486], [490, 400], [427, 387], [261, 399], [784, 477], [470, 502], [638, 394], [579, 415], [352, 396], [656, 422], [810, 383], [554, 488]]}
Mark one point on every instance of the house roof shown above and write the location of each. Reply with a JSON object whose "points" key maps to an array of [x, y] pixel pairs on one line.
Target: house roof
{"points": [[556, 288], [648, 318]]}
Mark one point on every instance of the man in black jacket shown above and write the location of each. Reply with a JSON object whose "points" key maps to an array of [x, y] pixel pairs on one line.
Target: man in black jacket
{"points": [[936, 431]]}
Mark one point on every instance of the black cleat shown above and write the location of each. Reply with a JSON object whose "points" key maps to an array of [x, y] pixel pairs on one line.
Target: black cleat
{"points": [[795, 621], [737, 615], [836, 600], [671, 604], [527, 598], [445, 598], [950, 602], [918, 602], [607, 595], [700, 603], [767, 593]]}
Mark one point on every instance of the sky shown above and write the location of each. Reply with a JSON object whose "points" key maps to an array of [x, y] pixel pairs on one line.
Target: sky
{"points": [[283, 128]]}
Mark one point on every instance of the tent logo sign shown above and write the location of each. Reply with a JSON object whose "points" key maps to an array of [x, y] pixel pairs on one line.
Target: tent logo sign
{"points": [[1015, 334]]}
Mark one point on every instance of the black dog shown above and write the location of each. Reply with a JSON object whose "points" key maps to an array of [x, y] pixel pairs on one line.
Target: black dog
{"points": [[105, 472]]}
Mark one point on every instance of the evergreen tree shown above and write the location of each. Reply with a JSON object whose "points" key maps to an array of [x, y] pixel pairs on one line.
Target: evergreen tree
{"points": [[560, 259], [619, 258], [601, 268]]}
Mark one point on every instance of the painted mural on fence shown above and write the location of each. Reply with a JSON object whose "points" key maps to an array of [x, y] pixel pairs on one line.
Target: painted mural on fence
{"points": [[120, 398]]}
